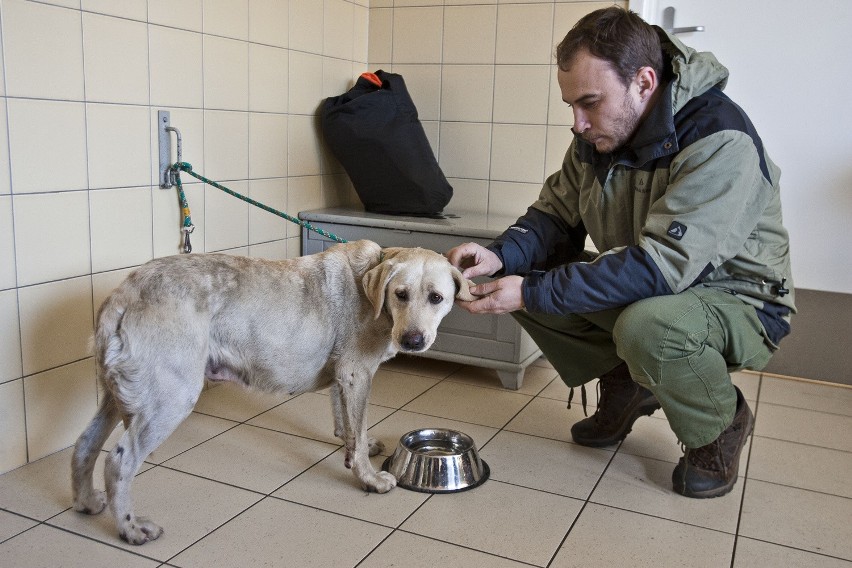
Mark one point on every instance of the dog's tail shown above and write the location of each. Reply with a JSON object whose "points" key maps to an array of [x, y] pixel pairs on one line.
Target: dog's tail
{"points": [[109, 342]]}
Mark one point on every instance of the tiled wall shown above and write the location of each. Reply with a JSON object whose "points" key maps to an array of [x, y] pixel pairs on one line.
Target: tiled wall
{"points": [[481, 74], [82, 83], [79, 206]]}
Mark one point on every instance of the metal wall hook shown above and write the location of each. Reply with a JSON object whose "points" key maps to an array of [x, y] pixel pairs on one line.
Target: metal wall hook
{"points": [[668, 23], [165, 143]]}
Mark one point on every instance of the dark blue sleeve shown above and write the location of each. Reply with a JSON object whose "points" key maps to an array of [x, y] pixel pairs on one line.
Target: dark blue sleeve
{"points": [[611, 281], [537, 241]]}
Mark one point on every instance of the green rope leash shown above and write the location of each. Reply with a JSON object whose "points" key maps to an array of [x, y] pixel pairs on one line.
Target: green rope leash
{"points": [[187, 226]]}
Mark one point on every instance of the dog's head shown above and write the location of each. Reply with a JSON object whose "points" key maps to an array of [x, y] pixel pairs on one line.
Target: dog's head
{"points": [[417, 288]]}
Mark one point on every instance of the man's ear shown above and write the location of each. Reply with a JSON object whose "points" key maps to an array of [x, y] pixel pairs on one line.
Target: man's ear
{"points": [[462, 285], [646, 81], [375, 281]]}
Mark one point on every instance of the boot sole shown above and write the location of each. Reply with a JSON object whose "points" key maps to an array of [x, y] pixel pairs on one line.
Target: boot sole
{"points": [[647, 408]]}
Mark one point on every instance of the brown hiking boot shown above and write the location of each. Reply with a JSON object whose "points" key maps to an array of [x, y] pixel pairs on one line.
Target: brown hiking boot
{"points": [[622, 401], [711, 470]]}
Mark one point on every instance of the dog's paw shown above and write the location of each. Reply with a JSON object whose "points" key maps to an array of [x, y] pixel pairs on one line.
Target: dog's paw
{"points": [[139, 530], [375, 446], [382, 482], [93, 504]]}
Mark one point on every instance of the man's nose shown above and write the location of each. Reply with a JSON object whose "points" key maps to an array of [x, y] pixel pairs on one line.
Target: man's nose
{"points": [[581, 124]]}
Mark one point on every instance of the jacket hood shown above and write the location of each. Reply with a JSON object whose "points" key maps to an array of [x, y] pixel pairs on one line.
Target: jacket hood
{"points": [[693, 72]]}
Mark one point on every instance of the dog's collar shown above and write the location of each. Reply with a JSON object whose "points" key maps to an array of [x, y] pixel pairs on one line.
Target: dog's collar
{"points": [[381, 256]]}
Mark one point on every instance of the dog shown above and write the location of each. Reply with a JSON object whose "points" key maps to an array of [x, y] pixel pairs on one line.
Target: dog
{"points": [[293, 325]]}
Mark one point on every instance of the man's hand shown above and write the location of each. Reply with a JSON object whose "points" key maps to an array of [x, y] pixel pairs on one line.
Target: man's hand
{"points": [[474, 260], [497, 297]]}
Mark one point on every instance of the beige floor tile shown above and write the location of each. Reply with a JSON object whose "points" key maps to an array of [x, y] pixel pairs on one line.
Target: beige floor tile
{"points": [[798, 465], [652, 438], [187, 507], [794, 517], [45, 546], [279, 533], [808, 395], [309, 415], [414, 551], [548, 465], [804, 426], [535, 378], [11, 524], [542, 362], [509, 521], [659, 542], [253, 458], [395, 390], [42, 489], [486, 406], [756, 554], [644, 485], [391, 429], [330, 486], [233, 402], [560, 391], [547, 418], [422, 366]]}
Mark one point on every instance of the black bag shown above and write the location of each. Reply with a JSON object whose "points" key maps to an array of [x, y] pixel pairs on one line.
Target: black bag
{"points": [[374, 132]]}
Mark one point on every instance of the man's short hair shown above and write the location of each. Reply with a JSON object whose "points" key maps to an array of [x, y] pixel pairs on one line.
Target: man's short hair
{"points": [[615, 35]]}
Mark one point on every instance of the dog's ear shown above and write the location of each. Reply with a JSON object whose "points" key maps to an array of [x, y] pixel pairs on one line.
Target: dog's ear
{"points": [[375, 281], [462, 285]]}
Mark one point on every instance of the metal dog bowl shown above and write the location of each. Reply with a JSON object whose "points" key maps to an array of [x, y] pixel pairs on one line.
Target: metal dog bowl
{"points": [[437, 460]]}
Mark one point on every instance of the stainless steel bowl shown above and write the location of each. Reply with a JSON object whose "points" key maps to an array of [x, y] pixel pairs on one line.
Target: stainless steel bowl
{"points": [[437, 460]]}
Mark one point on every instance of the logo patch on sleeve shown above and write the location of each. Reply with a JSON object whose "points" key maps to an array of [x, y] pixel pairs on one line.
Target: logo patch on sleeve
{"points": [[519, 229], [676, 230]]}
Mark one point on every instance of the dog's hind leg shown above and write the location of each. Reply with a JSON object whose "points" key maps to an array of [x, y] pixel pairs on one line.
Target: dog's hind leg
{"points": [[145, 432], [86, 450]]}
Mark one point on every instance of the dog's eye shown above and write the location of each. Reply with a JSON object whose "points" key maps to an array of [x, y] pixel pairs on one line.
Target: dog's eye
{"points": [[436, 298], [402, 295]]}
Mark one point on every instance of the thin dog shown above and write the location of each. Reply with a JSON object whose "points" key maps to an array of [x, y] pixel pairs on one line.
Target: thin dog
{"points": [[293, 325]]}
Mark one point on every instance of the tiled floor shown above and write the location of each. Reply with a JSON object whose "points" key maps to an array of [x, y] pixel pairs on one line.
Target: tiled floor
{"points": [[253, 480]]}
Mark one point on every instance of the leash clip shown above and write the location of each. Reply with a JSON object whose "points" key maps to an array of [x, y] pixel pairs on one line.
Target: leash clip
{"points": [[187, 246]]}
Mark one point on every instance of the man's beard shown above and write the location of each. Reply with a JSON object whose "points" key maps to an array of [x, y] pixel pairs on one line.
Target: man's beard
{"points": [[622, 130]]}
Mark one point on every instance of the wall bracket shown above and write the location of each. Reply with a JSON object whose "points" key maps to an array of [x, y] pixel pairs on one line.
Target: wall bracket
{"points": [[167, 176]]}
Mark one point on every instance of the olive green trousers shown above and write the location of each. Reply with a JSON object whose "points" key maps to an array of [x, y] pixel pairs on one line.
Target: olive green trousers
{"points": [[680, 347]]}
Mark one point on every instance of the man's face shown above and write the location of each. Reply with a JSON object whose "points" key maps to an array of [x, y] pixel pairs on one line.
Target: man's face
{"points": [[606, 113]]}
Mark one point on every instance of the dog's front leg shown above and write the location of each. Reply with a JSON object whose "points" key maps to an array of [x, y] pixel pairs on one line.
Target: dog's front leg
{"points": [[354, 389]]}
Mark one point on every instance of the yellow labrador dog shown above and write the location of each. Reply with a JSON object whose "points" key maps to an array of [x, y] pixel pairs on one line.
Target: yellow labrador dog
{"points": [[293, 325]]}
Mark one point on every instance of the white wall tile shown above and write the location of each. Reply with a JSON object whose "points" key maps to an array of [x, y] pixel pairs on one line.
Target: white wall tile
{"points": [[380, 43], [469, 195], [511, 199], [338, 29], [119, 145], [60, 403], [558, 112], [115, 53], [132, 9], [274, 250], [424, 85], [263, 225], [225, 73], [121, 221], [10, 337], [361, 33], [470, 34], [51, 236], [558, 140], [338, 191], [517, 153], [176, 68], [523, 33], [167, 219], [269, 22], [305, 83], [226, 218], [417, 36], [5, 183], [225, 145], [65, 3], [229, 18], [184, 14], [267, 145], [303, 151], [13, 443], [465, 149], [466, 93], [7, 244], [268, 78], [338, 77], [47, 145], [104, 283], [521, 93], [43, 49], [306, 18], [303, 194], [56, 323], [569, 13]]}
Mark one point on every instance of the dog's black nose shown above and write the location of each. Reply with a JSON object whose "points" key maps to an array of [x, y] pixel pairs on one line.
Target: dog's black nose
{"points": [[413, 341]]}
